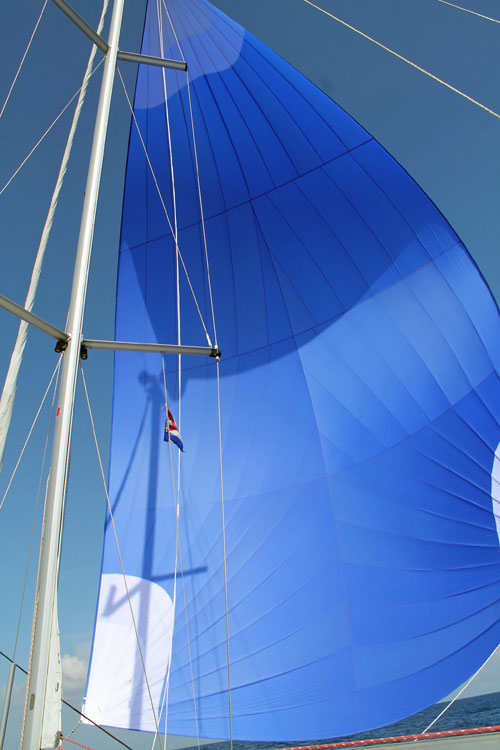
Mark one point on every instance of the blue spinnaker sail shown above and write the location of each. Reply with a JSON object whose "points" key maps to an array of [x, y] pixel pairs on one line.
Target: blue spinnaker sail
{"points": [[360, 412]]}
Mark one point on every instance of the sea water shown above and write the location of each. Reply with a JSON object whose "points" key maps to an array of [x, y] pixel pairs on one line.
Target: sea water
{"points": [[478, 711]]}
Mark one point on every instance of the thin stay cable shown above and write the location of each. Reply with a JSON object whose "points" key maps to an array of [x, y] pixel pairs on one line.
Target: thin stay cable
{"points": [[110, 511], [164, 208], [10, 383], [448, 705], [164, 700], [179, 358], [63, 110], [467, 10], [178, 550], [195, 150], [405, 59], [172, 27], [224, 558], [23, 58], [30, 431], [35, 512]]}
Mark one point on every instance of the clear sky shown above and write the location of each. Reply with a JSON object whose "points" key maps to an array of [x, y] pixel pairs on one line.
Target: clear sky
{"points": [[450, 146]]}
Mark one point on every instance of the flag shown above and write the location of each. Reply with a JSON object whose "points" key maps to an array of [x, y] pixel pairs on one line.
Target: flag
{"points": [[171, 431]]}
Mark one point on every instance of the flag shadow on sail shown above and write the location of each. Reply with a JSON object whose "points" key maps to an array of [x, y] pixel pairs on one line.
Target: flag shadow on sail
{"points": [[359, 403]]}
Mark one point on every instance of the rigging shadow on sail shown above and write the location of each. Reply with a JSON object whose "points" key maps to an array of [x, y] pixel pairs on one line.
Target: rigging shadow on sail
{"points": [[359, 408]]}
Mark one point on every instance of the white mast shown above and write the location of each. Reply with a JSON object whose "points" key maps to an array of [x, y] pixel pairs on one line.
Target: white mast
{"points": [[50, 546]]}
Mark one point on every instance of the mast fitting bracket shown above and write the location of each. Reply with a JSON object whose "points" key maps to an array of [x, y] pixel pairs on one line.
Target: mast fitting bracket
{"points": [[60, 346]]}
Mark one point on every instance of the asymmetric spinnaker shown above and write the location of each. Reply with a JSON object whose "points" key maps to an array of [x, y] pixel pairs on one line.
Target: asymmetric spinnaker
{"points": [[360, 402]]}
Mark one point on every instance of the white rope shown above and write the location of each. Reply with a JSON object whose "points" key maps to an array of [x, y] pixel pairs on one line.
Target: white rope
{"points": [[63, 110], [466, 10], [202, 216], [405, 59], [119, 551], [29, 433], [160, 23], [195, 150], [23, 58], [189, 650], [164, 700], [178, 551], [10, 384], [164, 208], [224, 558], [179, 358], [461, 690]]}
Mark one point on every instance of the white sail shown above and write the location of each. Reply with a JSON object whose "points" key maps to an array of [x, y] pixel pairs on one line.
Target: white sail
{"points": [[126, 681], [51, 724]]}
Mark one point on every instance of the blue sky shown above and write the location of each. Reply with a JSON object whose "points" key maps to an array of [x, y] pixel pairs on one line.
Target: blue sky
{"points": [[450, 146]]}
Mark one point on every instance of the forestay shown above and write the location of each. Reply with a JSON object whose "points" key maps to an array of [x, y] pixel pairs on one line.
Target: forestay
{"points": [[360, 416]]}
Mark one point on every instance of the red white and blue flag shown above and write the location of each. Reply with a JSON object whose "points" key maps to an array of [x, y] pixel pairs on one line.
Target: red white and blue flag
{"points": [[171, 431]]}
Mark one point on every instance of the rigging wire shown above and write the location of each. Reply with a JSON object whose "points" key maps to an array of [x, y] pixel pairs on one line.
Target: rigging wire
{"points": [[23, 58], [29, 433], [179, 358], [10, 384], [448, 705], [466, 10], [35, 512], [176, 495], [405, 59], [179, 383], [110, 511], [195, 150], [224, 558], [164, 207], [73, 708], [71, 733], [202, 216], [63, 110]]}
